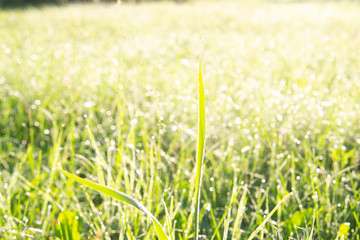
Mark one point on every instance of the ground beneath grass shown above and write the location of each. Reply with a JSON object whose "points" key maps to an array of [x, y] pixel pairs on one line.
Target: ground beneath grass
{"points": [[110, 93]]}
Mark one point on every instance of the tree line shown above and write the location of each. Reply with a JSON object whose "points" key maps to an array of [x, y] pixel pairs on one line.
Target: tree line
{"points": [[24, 3]]}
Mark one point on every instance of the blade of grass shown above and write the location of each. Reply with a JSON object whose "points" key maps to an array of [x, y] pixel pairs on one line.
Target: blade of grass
{"points": [[258, 229], [168, 218], [200, 151], [122, 197], [239, 216], [233, 198]]}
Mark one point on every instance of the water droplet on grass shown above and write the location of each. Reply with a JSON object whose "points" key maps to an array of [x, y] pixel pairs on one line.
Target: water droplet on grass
{"points": [[244, 149]]}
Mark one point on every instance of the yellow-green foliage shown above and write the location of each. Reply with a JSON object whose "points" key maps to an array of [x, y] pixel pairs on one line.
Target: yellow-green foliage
{"points": [[110, 93]]}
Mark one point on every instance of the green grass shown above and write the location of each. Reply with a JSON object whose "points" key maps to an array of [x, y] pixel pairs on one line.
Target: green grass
{"points": [[122, 197], [110, 94]]}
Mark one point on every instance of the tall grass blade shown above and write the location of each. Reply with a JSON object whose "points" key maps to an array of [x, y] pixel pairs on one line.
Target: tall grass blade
{"points": [[200, 150], [259, 228], [122, 197]]}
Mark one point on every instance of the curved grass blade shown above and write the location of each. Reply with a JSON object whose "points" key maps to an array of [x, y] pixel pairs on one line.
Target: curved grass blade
{"points": [[258, 229], [122, 197], [200, 150]]}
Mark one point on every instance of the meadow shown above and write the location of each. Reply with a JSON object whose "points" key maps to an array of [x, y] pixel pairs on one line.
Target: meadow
{"points": [[110, 93]]}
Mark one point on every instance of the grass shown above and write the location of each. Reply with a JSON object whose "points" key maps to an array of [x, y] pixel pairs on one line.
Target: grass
{"points": [[110, 94], [200, 150], [122, 197], [161, 234]]}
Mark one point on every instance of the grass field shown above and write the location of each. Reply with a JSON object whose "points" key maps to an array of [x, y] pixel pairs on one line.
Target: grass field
{"points": [[110, 94]]}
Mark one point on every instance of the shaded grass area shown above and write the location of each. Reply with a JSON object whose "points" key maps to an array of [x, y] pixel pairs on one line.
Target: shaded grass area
{"points": [[23, 4], [110, 93]]}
